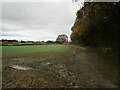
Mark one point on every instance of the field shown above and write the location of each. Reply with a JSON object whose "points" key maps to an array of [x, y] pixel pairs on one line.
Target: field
{"points": [[55, 66]]}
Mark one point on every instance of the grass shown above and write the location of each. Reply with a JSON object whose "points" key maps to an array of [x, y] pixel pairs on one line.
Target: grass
{"points": [[37, 48], [106, 53], [16, 50]]}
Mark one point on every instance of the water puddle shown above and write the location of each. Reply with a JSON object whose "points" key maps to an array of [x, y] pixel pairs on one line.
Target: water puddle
{"points": [[20, 67], [46, 63], [17, 59]]}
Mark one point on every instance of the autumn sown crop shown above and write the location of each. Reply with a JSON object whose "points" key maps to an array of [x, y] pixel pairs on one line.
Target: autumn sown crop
{"points": [[33, 49]]}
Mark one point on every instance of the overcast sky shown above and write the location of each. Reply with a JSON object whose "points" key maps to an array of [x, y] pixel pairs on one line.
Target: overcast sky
{"points": [[37, 21]]}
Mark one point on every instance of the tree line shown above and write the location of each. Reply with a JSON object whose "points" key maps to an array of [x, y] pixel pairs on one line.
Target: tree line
{"points": [[97, 25]]}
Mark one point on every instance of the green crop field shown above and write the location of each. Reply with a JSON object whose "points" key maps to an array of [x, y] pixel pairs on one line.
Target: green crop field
{"points": [[34, 48], [38, 57]]}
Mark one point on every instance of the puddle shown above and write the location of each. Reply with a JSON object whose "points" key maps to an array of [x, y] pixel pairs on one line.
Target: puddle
{"points": [[46, 63], [20, 67], [17, 59]]}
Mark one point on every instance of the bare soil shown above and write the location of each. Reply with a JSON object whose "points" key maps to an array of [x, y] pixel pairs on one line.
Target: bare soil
{"points": [[76, 68]]}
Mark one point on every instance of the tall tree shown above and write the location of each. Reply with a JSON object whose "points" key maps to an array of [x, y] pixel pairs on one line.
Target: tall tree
{"points": [[97, 24]]}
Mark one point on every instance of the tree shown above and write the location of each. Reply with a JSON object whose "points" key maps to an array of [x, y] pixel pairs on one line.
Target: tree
{"points": [[62, 39], [97, 25]]}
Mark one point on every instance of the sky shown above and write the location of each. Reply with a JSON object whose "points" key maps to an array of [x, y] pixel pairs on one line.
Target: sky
{"points": [[37, 21]]}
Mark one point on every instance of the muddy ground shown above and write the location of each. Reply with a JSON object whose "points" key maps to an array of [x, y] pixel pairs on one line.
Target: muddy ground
{"points": [[75, 68]]}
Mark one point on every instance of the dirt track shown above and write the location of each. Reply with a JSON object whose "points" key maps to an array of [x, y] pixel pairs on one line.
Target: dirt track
{"points": [[92, 70]]}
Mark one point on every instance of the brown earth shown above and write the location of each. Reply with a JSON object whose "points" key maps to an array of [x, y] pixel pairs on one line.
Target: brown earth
{"points": [[77, 68]]}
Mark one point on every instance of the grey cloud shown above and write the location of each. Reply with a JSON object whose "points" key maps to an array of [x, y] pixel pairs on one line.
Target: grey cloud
{"points": [[37, 20]]}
